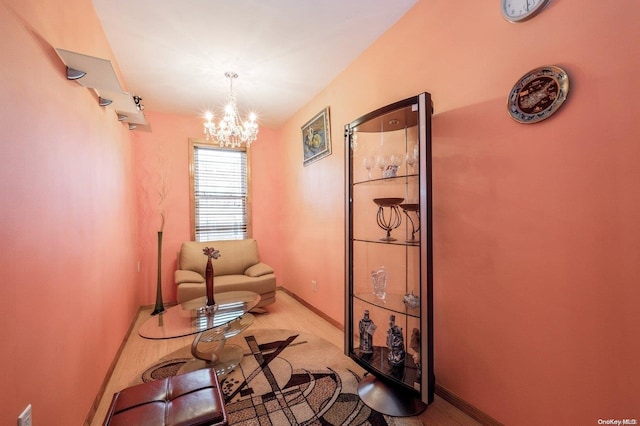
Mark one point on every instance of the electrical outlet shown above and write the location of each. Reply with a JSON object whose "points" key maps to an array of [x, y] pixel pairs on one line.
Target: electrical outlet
{"points": [[314, 285], [24, 419]]}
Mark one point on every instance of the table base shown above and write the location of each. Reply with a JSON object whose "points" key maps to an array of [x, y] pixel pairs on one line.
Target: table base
{"points": [[228, 358]]}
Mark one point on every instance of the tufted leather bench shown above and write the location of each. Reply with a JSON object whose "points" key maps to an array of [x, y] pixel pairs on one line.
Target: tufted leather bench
{"points": [[192, 398]]}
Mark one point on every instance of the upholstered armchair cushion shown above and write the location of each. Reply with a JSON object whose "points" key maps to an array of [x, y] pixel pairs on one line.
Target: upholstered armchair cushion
{"points": [[235, 256], [258, 270], [183, 276]]}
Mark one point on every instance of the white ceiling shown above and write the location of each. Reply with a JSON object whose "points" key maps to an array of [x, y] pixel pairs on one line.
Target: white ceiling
{"points": [[174, 53]]}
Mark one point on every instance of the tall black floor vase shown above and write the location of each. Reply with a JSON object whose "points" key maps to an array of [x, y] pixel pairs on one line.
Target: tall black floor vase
{"points": [[159, 306]]}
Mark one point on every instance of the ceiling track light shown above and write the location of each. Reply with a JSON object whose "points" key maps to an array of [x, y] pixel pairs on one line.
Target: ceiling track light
{"points": [[104, 101], [74, 74]]}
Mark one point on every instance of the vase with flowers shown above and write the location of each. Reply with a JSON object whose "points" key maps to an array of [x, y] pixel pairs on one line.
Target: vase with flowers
{"points": [[211, 253]]}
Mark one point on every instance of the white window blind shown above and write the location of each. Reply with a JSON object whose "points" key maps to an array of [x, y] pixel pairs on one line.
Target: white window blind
{"points": [[220, 194]]}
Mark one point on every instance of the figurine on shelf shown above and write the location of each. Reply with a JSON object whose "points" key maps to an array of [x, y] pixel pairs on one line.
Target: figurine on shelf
{"points": [[395, 343], [411, 301], [390, 171], [367, 328], [414, 344]]}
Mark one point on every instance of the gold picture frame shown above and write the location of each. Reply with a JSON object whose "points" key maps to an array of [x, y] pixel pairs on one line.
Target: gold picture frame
{"points": [[316, 137]]}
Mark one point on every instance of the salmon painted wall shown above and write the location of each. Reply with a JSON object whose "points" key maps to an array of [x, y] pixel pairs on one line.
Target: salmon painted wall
{"points": [[267, 181], [67, 218], [536, 227], [165, 152]]}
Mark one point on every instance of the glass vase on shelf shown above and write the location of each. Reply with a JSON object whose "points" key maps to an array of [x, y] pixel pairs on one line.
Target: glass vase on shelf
{"points": [[379, 279]]}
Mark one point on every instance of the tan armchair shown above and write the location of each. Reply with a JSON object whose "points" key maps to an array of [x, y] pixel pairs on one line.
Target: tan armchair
{"points": [[237, 269]]}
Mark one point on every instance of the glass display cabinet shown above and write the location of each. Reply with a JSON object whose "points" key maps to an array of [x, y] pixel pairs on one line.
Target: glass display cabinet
{"points": [[389, 269]]}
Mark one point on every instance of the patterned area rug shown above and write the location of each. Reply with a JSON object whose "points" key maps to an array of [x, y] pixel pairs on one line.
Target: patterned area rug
{"points": [[288, 378]]}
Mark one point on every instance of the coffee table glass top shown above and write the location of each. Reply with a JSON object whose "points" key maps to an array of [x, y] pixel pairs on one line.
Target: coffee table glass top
{"points": [[189, 317]]}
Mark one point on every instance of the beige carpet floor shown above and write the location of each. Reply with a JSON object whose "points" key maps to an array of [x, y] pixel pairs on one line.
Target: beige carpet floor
{"points": [[287, 378]]}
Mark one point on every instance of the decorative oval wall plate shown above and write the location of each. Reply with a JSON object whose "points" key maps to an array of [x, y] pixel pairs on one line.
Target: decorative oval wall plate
{"points": [[538, 94]]}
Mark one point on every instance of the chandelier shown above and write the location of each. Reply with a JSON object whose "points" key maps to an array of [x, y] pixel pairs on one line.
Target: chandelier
{"points": [[231, 131]]}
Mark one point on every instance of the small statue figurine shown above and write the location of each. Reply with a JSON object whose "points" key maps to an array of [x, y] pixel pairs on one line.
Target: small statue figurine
{"points": [[367, 328], [414, 344], [395, 343], [390, 171], [411, 301]]}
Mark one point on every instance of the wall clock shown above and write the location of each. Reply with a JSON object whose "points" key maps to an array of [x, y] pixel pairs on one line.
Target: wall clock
{"points": [[521, 10], [538, 94]]}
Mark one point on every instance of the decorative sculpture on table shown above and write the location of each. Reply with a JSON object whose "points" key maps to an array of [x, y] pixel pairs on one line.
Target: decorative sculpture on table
{"points": [[211, 254], [395, 343], [367, 328], [391, 222], [379, 278]]}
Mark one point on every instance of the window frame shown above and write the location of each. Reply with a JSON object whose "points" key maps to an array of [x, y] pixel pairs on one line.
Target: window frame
{"points": [[201, 143]]}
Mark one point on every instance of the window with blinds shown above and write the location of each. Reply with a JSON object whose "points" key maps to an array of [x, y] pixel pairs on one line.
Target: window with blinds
{"points": [[220, 194]]}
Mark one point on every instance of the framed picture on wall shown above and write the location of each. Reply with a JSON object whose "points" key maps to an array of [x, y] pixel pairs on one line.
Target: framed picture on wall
{"points": [[316, 137]]}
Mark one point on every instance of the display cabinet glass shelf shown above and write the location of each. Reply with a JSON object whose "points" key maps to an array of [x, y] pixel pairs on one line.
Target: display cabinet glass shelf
{"points": [[389, 269]]}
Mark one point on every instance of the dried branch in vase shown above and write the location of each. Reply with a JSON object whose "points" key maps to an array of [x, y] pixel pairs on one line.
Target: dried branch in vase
{"points": [[163, 175]]}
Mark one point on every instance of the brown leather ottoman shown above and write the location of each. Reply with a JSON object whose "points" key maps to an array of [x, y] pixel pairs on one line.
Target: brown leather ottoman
{"points": [[192, 398]]}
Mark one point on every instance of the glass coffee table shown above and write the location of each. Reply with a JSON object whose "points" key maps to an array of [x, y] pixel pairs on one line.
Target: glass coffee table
{"points": [[211, 326]]}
